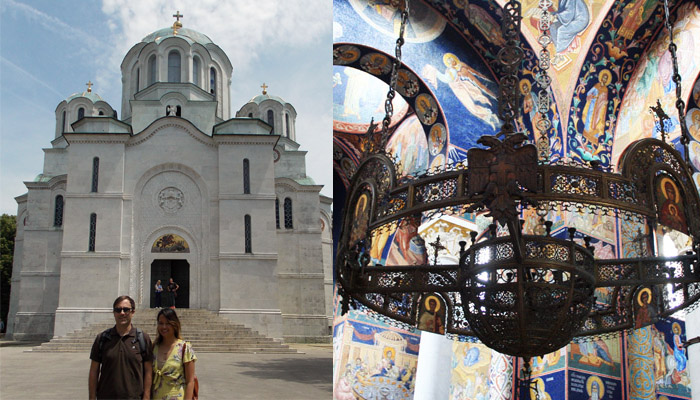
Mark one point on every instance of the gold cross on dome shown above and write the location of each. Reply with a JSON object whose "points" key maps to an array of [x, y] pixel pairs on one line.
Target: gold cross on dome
{"points": [[264, 88], [177, 15], [89, 85]]}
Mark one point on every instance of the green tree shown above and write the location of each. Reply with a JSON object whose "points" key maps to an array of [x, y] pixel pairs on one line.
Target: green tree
{"points": [[8, 228]]}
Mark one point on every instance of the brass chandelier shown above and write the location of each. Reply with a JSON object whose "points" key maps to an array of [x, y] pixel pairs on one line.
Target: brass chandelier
{"points": [[522, 294]]}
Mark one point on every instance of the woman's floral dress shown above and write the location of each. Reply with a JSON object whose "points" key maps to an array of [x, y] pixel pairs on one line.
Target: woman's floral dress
{"points": [[169, 378]]}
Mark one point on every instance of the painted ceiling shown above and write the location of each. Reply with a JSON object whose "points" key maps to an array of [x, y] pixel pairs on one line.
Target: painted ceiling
{"points": [[610, 63]]}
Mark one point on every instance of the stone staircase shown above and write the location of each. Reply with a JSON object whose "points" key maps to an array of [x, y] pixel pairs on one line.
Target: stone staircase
{"points": [[208, 333]]}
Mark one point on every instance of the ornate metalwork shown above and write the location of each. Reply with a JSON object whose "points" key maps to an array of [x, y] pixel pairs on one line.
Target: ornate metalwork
{"points": [[521, 294]]}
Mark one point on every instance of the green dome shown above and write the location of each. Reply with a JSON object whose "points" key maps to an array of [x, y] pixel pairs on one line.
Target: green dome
{"points": [[93, 97], [190, 35], [262, 97]]}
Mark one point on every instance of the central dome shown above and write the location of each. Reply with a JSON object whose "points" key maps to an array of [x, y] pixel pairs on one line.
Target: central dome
{"points": [[190, 35]]}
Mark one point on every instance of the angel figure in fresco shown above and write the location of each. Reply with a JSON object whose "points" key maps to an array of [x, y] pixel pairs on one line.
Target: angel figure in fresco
{"points": [[595, 110], [466, 84], [671, 211]]}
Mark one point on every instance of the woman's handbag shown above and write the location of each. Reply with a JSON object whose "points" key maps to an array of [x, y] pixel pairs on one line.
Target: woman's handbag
{"points": [[195, 392]]}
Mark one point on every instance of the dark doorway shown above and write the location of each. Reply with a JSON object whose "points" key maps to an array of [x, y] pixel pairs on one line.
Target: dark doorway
{"points": [[179, 270]]}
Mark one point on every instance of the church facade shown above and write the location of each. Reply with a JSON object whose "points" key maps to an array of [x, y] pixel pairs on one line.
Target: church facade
{"points": [[179, 188]]}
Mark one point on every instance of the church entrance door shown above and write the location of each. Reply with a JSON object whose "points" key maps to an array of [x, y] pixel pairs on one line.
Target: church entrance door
{"points": [[179, 270]]}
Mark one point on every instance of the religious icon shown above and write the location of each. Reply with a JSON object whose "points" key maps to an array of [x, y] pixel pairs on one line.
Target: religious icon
{"points": [[426, 109], [438, 137], [670, 205], [432, 315], [361, 218], [645, 308], [595, 388]]}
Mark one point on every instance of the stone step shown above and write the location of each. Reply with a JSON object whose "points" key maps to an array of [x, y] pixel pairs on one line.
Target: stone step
{"points": [[206, 330]]}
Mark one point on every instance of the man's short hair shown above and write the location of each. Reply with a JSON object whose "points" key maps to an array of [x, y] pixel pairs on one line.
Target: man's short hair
{"points": [[122, 298]]}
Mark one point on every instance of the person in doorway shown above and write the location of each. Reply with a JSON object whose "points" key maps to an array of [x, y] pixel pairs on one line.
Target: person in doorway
{"points": [[159, 294], [122, 357], [173, 360], [172, 289]]}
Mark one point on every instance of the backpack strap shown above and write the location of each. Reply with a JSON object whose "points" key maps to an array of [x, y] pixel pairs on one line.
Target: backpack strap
{"points": [[142, 343], [104, 338]]}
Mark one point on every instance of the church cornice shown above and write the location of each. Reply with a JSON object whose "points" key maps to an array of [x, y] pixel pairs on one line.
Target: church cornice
{"points": [[238, 196], [92, 254], [296, 187], [91, 195], [245, 256], [100, 138]]}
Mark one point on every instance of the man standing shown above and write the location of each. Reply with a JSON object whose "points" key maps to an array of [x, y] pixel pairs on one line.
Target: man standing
{"points": [[172, 289], [122, 358]]}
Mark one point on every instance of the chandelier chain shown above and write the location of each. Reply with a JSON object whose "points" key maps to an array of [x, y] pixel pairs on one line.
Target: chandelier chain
{"points": [[543, 123], [510, 56], [680, 104], [396, 64]]}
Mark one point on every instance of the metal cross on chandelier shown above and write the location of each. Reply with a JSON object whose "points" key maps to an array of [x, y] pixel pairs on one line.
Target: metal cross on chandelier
{"points": [[522, 294]]}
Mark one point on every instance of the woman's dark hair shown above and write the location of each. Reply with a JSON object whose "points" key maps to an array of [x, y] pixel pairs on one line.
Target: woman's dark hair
{"points": [[172, 319]]}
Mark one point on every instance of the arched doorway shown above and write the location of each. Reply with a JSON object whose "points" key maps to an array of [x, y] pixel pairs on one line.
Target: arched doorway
{"points": [[179, 270]]}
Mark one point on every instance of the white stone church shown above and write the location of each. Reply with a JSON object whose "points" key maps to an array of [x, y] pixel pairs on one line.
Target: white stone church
{"points": [[177, 188]]}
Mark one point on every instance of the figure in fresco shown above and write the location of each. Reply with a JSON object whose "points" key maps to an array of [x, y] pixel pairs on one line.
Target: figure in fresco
{"points": [[633, 16], [595, 110], [678, 353], [408, 248], [432, 316], [671, 212], [595, 353], [659, 356], [645, 309], [595, 388], [343, 388], [361, 218], [465, 82], [538, 392], [568, 22]]}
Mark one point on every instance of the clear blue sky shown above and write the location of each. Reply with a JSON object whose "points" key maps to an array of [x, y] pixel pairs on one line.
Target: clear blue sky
{"points": [[49, 49]]}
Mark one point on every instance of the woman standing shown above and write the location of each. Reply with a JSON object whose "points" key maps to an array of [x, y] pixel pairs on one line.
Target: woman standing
{"points": [[159, 294], [173, 363]]}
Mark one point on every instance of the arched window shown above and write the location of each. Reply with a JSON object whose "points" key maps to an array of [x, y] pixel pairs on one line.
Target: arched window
{"points": [[93, 232], [136, 81], [277, 213], [286, 124], [63, 122], [58, 211], [81, 113], [101, 112], [246, 176], [152, 70], [195, 70], [95, 173], [114, 114], [250, 115], [178, 111], [288, 224], [212, 81], [173, 66], [248, 241], [271, 119]]}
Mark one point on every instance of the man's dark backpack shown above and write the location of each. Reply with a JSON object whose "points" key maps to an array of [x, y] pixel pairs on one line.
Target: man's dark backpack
{"points": [[104, 338]]}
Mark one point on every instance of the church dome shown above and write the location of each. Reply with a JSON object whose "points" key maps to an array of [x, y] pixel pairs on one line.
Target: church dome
{"points": [[190, 35], [279, 114], [88, 94], [262, 97]]}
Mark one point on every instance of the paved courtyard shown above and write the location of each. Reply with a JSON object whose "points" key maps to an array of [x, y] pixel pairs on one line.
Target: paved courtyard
{"points": [[27, 375]]}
